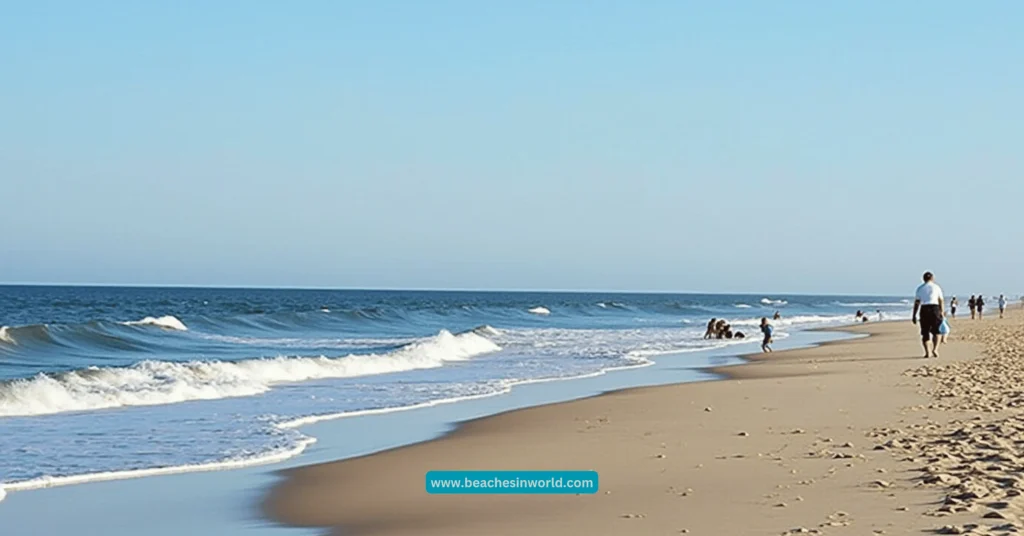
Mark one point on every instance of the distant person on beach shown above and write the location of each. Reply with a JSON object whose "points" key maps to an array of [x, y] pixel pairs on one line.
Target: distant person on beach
{"points": [[928, 301], [711, 328], [1002, 305], [777, 316], [973, 304], [980, 304], [952, 307], [766, 328], [860, 314]]}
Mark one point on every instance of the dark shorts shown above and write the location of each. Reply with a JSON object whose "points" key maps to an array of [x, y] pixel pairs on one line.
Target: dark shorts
{"points": [[930, 319]]}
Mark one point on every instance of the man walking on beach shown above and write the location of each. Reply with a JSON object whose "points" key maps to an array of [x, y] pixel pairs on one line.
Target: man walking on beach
{"points": [[929, 302], [1002, 305]]}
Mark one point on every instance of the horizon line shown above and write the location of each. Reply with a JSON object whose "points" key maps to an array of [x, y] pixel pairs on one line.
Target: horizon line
{"points": [[410, 289]]}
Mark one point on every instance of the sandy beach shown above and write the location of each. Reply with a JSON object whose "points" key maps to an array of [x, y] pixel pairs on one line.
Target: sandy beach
{"points": [[855, 437]]}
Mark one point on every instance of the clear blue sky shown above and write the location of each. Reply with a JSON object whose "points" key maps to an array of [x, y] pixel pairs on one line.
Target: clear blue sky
{"points": [[706, 146]]}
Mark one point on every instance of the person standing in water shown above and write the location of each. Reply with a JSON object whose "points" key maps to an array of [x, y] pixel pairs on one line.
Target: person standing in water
{"points": [[928, 301], [767, 330], [952, 307], [1002, 305], [711, 328]]}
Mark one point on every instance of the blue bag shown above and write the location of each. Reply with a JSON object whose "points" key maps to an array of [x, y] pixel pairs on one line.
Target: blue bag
{"points": [[944, 327]]}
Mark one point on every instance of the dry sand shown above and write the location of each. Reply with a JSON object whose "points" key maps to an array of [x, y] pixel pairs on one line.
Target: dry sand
{"points": [[859, 437]]}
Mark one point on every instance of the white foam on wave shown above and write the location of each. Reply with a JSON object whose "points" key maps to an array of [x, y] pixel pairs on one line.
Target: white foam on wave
{"points": [[234, 463], [487, 331], [637, 361], [807, 321], [296, 342], [790, 320], [540, 311], [871, 304], [161, 382], [769, 301], [165, 322], [5, 336], [742, 306]]}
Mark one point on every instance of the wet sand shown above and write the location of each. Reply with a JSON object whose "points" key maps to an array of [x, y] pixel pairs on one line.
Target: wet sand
{"points": [[856, 437]]}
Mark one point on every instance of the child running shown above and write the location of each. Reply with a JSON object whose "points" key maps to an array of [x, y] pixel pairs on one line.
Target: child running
{"points": [[766, 328]]}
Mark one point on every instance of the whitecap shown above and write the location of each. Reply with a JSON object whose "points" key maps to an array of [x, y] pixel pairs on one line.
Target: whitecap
{"points": [[165, 322]]}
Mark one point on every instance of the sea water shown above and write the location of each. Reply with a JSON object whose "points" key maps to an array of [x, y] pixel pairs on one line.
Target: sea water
{"points": [[100, 383]]}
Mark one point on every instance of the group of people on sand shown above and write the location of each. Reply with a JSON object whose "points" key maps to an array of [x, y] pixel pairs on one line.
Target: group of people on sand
{"points": [[720, 329], [977, 306], [976, 303], [929, 313]]}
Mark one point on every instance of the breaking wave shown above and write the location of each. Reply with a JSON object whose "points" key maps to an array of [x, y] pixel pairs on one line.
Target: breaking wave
{"points": [[165, 322], [487, 331], [540, 311], [161, 382], [95, 333]]}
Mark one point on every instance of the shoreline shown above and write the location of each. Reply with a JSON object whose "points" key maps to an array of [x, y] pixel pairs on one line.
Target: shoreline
{"points": [[279, 457], [274, 458], [780, 366], [223, 502]]}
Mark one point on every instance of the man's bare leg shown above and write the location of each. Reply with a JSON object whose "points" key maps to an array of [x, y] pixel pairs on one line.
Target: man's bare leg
{"points": [[924, 342], [935, 346]]}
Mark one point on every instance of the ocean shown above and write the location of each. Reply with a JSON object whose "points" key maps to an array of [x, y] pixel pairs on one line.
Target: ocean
{"points": [[99, 383]]}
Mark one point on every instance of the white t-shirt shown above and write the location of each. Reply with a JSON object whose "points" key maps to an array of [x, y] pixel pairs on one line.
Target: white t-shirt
{"points": [[1002, 301], [929, 293]]}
